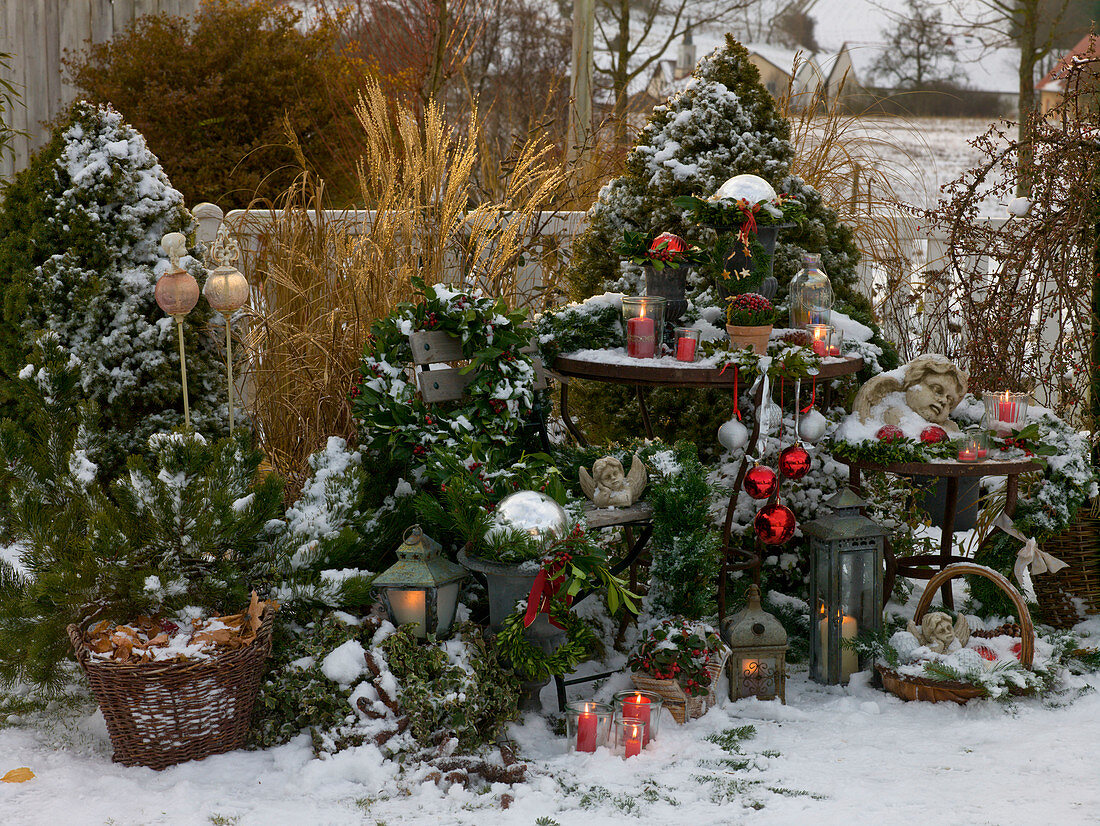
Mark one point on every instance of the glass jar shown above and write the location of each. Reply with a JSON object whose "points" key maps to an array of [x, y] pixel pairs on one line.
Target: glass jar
{"points": [[1005, 411], [811, 294], [687, 343], [644, 319], [974, 447], [631, 735], [640, 705], [587, 725]]}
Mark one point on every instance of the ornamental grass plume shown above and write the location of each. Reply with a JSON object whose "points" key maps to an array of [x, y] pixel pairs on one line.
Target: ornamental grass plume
{"points": [[320, 277]]}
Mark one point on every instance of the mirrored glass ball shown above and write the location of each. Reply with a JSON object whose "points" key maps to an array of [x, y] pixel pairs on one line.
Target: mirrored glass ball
{"points": [[534, 513], [752, 188]]}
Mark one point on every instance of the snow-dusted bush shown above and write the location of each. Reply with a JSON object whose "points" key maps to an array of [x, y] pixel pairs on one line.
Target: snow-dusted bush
{"points": [[79, 255]]}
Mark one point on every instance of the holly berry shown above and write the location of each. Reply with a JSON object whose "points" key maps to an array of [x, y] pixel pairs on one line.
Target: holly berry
{"points": [[932, 434], [889, 433]]}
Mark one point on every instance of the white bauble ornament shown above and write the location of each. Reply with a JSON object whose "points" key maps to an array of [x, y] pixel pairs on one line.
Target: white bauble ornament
{"points": [[733, 435], [1019, 207], [771, 415], [812, 427], [752, 188]]}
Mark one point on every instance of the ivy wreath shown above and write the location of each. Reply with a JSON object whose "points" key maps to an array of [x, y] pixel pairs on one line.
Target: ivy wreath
{"points": [[388, 409]]}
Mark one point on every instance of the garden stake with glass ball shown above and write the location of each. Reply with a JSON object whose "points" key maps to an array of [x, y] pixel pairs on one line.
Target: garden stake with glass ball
{"points": [[226, 290], [177, 293]]}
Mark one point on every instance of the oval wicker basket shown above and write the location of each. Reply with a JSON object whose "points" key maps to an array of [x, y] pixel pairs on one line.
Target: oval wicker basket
{"points": [[936, 691], [676, 700], [161, 714]]}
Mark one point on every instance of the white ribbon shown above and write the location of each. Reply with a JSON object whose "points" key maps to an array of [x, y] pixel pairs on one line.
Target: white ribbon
{"points": [[1030, 559], [763, 414]]}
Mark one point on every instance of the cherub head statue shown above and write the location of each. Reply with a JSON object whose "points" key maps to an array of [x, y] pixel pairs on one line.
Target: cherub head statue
{"points": [[609, 486], [608, 473], [933, 385], [939, 633]]}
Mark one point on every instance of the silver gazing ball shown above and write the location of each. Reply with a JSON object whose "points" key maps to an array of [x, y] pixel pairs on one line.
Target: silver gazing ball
{"points": [[811, 427], [752, 188], [534, 513], [733, 435]]}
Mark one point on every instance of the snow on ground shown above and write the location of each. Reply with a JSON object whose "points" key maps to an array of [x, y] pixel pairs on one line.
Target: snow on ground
{"points": [[832, 755]]}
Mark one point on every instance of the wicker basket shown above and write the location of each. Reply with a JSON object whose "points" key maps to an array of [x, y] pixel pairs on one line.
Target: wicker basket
{"points": [[1079, 547], [937, 691], [675, 699], [162, 714]]}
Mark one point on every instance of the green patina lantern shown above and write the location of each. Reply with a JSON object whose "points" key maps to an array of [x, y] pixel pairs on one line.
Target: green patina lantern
{"points": [[421, 588], [846, 572]]}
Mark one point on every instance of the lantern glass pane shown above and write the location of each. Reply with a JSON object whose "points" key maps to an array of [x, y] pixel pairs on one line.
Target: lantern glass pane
{"points": [[409, 606], [757, 677], [447, 604]]}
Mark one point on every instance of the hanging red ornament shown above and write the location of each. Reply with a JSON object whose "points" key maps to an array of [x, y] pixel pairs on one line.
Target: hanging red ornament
{"points": [[794, 462], [932, 434], [760, 482], [774, 524], [889, 433]]}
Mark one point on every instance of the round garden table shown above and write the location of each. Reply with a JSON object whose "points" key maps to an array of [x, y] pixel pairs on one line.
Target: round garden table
{"points": [[925, 566], [615, 367]]}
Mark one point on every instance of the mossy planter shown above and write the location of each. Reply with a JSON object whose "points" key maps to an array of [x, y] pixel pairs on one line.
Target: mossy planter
{"points": [[755, 338]]}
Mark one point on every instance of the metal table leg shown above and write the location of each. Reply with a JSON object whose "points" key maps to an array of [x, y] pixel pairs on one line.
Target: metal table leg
{"points": [[948, 537]]}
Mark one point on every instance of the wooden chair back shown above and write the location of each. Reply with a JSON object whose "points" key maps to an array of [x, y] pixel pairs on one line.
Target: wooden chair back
{"points": [[449, 383]]}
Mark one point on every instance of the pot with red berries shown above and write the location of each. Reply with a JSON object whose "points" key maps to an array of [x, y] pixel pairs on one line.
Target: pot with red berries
{"points": [[749, 319], [680, 661]]}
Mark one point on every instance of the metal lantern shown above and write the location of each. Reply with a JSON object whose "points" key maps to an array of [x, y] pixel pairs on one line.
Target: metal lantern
{"points": [[758, 659], [177, 293], [226, 290], [421, 588], [846, 570]]}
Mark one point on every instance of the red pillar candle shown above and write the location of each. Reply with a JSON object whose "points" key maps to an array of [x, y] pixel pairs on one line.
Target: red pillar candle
{"points": [[633, 742], [641, 341], [587, 726], [637, 706], [685, 349]]}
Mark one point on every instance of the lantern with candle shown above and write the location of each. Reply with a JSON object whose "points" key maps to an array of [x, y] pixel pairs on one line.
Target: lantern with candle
{"points": [[640, 705], [758, 652], [644, 317], [421, 588], [846, 569], [811, 294], [587, 725], [1005, 411]]}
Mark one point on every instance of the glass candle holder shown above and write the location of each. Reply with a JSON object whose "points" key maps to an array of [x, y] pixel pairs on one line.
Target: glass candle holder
{"points": [[974, 447], [631, 735], [826, 340], [687, 343], [811, 294], [1005, 411], [587, 724], [644, 319], [640, 705]]}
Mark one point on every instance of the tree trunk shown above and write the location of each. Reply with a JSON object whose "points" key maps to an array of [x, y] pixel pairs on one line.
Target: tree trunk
{"points": [[621, 72], [1026, 38]]}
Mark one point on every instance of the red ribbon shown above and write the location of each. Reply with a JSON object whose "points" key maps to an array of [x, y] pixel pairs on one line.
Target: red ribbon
{"points": [[736, 397], [813, 396], [542, 593], [749, 228]]}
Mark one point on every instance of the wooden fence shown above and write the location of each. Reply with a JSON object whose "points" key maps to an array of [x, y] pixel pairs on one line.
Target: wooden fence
{"points": [[38, 34]]}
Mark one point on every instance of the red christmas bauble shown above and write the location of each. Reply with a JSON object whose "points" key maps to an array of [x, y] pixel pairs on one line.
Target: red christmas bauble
{"points": [[889, 433], [667, 242], [932, 434], [760, 482], [985, 653], [1016, 649], [774, 524], [794, 462]]}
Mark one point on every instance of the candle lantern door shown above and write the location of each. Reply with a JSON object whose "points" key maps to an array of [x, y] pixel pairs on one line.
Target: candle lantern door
{"points": [[758, 659], [846, 572], [421, 588]]}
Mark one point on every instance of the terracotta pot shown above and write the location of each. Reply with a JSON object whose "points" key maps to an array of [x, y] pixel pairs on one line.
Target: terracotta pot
{"points": [[753, 337]]}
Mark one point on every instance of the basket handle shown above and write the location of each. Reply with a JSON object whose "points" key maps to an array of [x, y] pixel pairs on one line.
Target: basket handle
{"points": [[1027, 629]]}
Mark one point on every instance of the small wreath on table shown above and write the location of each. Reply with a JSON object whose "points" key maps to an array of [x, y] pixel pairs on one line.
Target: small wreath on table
{"points": [[531, 662], [387, 405]]}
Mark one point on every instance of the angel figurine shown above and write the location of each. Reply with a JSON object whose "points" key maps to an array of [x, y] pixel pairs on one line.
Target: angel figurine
{"points": [[608, 486], [929, 385], [174, 245], [938, 633]]}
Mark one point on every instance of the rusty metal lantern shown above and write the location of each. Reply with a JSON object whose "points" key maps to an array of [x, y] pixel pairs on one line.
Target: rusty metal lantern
{"points": [[226, 290], [421, 588], [177, 293], [758, 652]]}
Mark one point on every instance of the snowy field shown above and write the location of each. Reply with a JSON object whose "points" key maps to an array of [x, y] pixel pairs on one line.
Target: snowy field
{"points": [[832, 755]]}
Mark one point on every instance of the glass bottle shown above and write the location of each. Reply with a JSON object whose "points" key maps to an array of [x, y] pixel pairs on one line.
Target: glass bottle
{"points": [[811, 294]]}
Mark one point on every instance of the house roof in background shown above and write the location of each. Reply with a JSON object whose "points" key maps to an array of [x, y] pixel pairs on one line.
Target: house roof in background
{"points": [[1088, 46]]}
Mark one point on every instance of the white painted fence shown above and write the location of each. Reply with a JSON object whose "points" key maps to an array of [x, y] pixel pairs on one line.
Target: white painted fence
{"points": [[38, 34]]}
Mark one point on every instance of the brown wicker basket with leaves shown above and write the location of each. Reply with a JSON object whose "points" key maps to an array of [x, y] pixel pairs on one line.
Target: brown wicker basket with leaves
{"points": [[682, 706], [161, 714], [1079, 547], [936, 691]]}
